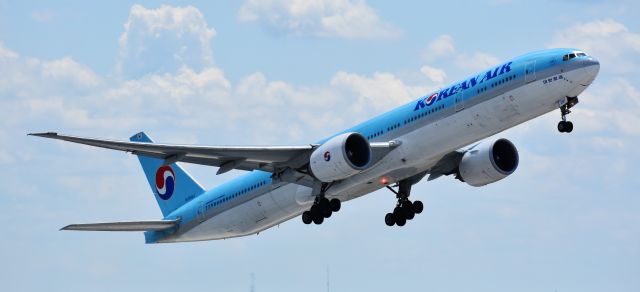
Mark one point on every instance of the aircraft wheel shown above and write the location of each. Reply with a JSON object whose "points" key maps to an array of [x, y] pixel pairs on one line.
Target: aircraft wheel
{"points": [[389, 219], [418, 207], [407, 211], [335, 205], [569, 127], [562, 126], [397, 213], [306, 217], [401, 221], [324, 202], [318, 220], [315, 210]]}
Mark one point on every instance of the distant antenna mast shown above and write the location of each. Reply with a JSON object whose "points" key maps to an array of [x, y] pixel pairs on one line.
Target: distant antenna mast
{"points": [[328, 279], [253, 283]]}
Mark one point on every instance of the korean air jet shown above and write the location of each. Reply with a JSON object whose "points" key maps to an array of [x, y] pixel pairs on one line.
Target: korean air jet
{"points": [[438, 134]]}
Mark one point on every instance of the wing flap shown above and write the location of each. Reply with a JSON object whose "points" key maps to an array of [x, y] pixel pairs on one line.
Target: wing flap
{"points": [[157, 225]]}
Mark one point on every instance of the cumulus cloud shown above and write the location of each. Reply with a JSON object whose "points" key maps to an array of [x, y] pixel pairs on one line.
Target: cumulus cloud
{"points": [[6, 53], [443, 49], [380, 92], [164, 39], [440, 47], [318, 18], [436, 75], [616, 46], [68, 69]]}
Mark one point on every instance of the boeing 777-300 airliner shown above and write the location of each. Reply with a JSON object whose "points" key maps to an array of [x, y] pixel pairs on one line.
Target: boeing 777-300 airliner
{"points": [[435, 135]]}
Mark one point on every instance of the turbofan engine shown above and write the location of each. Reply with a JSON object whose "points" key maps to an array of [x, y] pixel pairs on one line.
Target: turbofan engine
{"points": [[340, 157], [488, 162]]}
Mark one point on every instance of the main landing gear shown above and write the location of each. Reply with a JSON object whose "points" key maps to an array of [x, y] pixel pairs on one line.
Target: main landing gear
{"points": [[565, 126], [322, 208], [405, 209]]}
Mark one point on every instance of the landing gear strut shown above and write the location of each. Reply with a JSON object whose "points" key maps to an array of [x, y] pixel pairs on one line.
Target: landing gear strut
{"points": [[565, 126], [405, 209], [322, 207]]}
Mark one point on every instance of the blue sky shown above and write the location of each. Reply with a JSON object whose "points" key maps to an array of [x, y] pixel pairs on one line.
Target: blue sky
{"points": [[290, 72]]}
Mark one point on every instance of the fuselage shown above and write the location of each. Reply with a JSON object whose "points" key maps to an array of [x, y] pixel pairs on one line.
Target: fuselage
{"points": [[428, 128]]}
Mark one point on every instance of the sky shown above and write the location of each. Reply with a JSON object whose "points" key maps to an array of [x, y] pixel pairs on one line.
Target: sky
{"points": [[290, 72]]}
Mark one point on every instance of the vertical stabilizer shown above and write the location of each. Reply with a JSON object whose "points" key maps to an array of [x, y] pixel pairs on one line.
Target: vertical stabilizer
{"points": [[171, 184]]}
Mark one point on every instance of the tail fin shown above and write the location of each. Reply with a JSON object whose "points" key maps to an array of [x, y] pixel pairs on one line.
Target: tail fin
{"points": [[171, 185]]}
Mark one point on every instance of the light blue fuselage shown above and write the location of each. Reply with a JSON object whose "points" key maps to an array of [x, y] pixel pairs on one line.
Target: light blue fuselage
{"points": [[461, 113]]}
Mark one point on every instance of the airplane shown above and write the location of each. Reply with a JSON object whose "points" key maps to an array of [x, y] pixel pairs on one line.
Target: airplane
{"points": [[438, 134]]}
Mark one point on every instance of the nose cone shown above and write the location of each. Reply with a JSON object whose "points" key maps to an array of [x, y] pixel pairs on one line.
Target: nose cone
{"points": [[591, 67]]}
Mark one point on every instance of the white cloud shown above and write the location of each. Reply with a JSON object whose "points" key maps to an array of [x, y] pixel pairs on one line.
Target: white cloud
{"points": [[610, 105], [607, 144], [380, 92], [434, 74], [6, 53], [610, 41], [443, 49], [476, 60], [68, 69], [164, 39], [318, 18]]}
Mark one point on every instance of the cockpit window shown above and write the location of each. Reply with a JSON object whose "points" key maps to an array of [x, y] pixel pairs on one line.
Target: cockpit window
{"points": [[573, 55]]}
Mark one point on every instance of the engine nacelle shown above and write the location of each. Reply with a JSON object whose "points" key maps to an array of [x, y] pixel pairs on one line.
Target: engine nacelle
{"points": [[340, 157], [488, 162]]}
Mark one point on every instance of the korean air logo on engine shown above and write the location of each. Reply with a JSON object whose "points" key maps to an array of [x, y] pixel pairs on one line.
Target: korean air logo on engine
{"points": [[165, 182], [327, 156]]}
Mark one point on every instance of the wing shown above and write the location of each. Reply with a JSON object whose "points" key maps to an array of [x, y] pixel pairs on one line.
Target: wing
{"points": [[448, 164], [158, 225], [225, 157], [266, 158]]}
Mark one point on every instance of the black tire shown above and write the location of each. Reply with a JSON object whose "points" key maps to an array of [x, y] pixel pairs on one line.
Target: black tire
{"points": [[569, 127], [407, 211], [315, 211], [335, 205], [389, 219], [407, 203], [397, 212], [325, 210], [318, 220], [562, 126], [306, 217], [401, 221], [324, 203], [418, 207]]}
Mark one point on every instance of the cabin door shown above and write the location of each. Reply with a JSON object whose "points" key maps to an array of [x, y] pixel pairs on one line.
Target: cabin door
{"points": [[530, 71], [459, 100]]}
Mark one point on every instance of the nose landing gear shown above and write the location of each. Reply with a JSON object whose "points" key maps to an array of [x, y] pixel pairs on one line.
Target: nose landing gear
{"points": [[565, 126]]}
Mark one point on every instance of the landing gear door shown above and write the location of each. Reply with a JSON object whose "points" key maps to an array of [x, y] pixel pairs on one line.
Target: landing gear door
{"points": [[530, 71]]}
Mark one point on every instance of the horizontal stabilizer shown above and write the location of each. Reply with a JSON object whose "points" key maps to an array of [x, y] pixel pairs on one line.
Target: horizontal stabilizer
{"points": [[158, 225]]}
